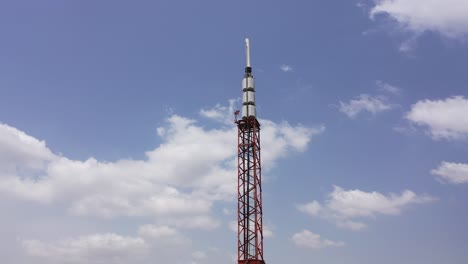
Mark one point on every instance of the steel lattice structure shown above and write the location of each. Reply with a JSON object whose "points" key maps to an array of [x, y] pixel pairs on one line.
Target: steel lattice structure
{"points": [[250, 220]]}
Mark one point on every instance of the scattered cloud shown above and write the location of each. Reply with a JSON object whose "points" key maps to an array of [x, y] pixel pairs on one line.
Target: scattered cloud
{"points": [[97, 248], [409, 43], [444, 119], [220, 113], [388, 88], [152, 242], [286, 68], [312, 208], [364, 103], [308, 239], [203, 222], [267, 231], [347, 208], [162, 234], [109, 247], [446, 17], [454, 173]]}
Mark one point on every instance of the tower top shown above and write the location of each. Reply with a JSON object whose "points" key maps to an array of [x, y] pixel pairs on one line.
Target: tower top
{"points": [[247, 52], [248, 86]]}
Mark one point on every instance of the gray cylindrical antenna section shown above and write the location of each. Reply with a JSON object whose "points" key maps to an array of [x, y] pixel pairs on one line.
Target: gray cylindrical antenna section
{"points": [[248, 86], [247, 52]]}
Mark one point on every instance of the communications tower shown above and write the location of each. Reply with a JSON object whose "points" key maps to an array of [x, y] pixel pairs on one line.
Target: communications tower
{"points": [[250, 221]]}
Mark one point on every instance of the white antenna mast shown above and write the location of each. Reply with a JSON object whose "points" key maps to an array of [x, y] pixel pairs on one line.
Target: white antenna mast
{"points": [[247, 51]]}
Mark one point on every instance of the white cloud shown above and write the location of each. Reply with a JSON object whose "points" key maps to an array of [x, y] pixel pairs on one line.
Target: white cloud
{"points": [[308, 239], [220, 113], [364, 102], [176, 184], [267, 231], [277, 138], [343, 207], [445, 119], [153, 241], [286, 68], [180, 179], [162, 235], [386, 87], [351, 225], [409, 43], [21, 153], [312, 208], [203, 222], [454, 173], [446, 17], [97, 248], [156, 231], [357, 203]]}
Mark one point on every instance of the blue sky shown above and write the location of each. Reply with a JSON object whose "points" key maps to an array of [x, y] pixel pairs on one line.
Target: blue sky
{"points": [[117, 143]]}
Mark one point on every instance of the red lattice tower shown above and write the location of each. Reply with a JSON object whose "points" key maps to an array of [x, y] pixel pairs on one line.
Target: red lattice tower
{"points": [[250, 220]]}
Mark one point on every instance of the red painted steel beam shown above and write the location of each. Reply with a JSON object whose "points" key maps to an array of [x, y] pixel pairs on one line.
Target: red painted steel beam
{"points": [[250, 214]]}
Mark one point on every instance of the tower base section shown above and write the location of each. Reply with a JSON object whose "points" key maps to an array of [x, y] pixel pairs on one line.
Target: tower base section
{"points": [[251, 261]]}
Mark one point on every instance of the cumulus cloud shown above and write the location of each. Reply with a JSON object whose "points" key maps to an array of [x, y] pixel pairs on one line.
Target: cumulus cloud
{"points": [[308, 239], [450, 172], [97, 248], [180, 179], [152, 241], [347, 208], [176, 184], [21, 153], [286, 68], [446, 17], [364, 103], [444, 119]]}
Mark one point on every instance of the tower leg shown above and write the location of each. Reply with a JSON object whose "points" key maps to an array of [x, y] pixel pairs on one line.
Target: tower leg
{"points": [[250, 221]]}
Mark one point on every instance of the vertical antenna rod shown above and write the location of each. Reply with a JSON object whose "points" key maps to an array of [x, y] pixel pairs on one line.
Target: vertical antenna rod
{"points": [[249, 204], [247, 52]]}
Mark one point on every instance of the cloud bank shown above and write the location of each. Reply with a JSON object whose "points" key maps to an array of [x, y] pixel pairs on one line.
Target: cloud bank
{"points": [[177, 184]]}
